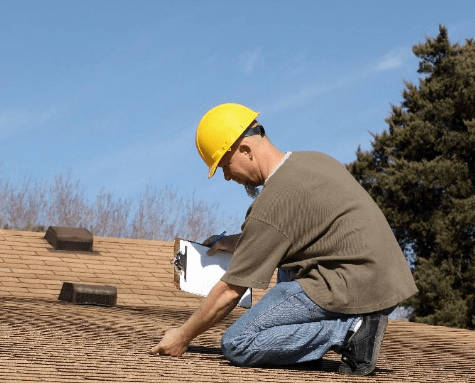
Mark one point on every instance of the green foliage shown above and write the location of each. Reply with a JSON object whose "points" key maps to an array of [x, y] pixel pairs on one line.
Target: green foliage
{"points": [[421, 172]]}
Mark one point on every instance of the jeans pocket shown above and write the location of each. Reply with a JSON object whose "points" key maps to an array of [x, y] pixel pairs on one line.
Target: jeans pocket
{"points": [[314, 310], [317, 313]]}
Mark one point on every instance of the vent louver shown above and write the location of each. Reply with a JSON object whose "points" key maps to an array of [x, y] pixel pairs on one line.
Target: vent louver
{"points": [[69, 238], [101, 295]]}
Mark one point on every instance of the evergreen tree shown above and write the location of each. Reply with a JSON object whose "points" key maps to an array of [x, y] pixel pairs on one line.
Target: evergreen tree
{"points": [[421, 172]]}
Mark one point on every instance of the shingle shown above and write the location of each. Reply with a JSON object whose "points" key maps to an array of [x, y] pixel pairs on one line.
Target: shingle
{"points": [[42, 339]]}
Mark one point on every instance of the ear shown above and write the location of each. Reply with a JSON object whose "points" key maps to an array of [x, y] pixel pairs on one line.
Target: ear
{"points": [[245, 149]]}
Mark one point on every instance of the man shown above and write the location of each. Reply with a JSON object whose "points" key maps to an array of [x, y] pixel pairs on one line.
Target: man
{"points": [[341, 271]]}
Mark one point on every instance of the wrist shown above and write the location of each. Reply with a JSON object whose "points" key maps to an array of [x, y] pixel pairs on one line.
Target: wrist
{"points": [[185, 334]]}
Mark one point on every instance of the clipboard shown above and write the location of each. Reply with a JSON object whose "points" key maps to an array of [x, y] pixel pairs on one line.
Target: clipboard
{"points": [[196, 272]]}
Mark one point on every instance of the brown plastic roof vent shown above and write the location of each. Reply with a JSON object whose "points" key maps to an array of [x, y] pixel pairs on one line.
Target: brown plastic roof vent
{"points": [[69, 238], [80, 294]]}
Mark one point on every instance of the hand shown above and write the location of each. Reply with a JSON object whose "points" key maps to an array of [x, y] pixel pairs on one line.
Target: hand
{"points": [[173, 343], [227, 244]]}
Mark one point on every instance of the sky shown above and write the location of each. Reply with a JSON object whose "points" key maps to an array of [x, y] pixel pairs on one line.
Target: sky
{"points": [[112, 91]]}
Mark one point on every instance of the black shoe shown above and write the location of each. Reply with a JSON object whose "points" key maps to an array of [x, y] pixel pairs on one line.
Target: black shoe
{"points": [[361, 348]]}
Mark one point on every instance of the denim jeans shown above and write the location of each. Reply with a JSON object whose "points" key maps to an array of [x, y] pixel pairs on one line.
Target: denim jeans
{"points": [[285, 327]]}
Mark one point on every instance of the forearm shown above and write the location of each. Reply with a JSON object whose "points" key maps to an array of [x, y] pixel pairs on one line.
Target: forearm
{"points": [[220, 302]]}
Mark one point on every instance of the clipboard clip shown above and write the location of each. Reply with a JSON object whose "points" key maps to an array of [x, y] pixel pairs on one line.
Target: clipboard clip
{"points": [[180, 261]]}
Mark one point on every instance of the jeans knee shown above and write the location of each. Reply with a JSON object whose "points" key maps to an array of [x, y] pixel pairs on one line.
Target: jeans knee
{"points": [[227, 347], [235, 349]]}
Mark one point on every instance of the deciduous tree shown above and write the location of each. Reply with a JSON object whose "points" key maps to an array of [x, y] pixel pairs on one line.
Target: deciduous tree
{"points": [[159, 214]]}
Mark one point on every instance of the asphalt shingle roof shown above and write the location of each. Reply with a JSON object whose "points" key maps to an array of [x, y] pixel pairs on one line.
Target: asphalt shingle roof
{"points": [[45, 340]]}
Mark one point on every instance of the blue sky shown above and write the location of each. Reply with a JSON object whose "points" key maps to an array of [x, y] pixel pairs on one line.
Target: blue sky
{"points": [[112, 91]]}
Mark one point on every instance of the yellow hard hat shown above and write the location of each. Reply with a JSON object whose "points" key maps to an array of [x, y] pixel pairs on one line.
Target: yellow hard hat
{"points": [[219, 129]]}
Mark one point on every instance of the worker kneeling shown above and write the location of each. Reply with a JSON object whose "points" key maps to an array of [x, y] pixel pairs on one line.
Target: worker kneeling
{"points": [[340, 269]]}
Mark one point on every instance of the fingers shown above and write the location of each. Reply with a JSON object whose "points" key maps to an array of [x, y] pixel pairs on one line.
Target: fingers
{"points": [[154, 350], [170, 350], [218, 246], [172, 344], [158, 350], [226, 244], [209, 240], [213, 249]]}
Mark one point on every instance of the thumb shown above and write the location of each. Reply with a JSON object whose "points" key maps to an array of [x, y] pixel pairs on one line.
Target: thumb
{"points": [[213, 250]]}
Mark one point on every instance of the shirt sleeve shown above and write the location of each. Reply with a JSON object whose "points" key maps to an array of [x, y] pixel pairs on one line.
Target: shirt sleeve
{"points": [[259, 252]]}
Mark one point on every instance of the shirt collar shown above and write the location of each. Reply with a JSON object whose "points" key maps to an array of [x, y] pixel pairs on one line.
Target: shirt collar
{"points": [[287, 155]]}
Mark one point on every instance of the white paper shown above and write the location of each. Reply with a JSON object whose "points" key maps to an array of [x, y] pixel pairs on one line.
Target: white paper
{"points": [[204, 271]]}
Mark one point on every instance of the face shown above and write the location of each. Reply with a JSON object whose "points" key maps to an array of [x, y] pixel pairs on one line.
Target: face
{"points": [[237, 166], [234, 165]]}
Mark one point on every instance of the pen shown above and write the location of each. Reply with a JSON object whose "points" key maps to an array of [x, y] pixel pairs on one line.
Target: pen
{"points": [[219, 237]]}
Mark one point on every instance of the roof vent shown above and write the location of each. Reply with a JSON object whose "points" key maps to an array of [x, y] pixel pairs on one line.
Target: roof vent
{"points": [[69, 238], [80, 294]]}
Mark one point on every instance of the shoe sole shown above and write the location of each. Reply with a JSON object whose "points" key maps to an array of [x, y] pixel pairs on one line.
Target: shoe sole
{"points": [[344, 369]]}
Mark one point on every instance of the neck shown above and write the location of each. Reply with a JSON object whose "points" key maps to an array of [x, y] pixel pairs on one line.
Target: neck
{"points": [[265, 155], [272, 159]]}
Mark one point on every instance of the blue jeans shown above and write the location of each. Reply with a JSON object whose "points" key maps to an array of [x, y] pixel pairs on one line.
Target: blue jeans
{"points": [[285, 327]]}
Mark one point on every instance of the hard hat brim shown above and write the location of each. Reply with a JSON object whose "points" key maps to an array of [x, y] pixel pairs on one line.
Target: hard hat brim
{"points": [[212, 169]]}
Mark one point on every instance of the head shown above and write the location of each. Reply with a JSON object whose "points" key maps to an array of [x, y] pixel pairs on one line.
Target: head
{"points": [[219, 129], [240, 163], [229, 136]]}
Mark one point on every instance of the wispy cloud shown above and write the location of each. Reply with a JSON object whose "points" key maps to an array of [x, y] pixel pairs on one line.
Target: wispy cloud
{"points": [[308, 92], [394, 59], [12, 121], [296, 99], [250, 61]]}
